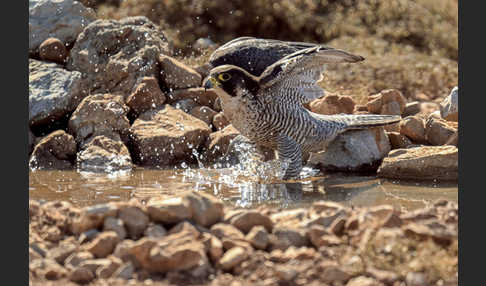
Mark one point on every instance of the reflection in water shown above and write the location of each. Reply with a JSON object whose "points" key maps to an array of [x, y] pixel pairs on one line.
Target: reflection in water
{"points": [[89, 188]]}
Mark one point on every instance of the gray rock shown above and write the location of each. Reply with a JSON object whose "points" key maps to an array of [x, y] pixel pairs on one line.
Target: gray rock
{"points": [[114, 55], [62, 19], [359, 150], [55, 151], [103, 154], [449, 107], [53, 92]]}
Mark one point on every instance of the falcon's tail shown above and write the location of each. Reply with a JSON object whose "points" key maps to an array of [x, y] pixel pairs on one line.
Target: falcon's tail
{"points": [[361, 121]]}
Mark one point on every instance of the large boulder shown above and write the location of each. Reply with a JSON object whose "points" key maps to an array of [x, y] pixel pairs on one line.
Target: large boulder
{"points": [[104, 154], [55, 151], [113, 55], [357, 150], [62, 19], [53, 92], [333, 104], [166, 136], [99, 114], [449, 107], [423, 163]]}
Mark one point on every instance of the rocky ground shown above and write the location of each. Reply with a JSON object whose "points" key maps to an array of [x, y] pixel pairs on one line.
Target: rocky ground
{"points": [[110, 94], [194, 239]]}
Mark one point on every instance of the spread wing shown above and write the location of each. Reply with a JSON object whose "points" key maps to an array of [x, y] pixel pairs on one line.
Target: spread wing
{"points": [[295, 76]]}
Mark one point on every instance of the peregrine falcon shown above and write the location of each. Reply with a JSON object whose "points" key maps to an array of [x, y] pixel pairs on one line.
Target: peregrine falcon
{"points": [[266, 104]]}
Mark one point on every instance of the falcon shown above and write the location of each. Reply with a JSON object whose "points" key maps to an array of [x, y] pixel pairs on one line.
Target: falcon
{"points": [[263, 86]]}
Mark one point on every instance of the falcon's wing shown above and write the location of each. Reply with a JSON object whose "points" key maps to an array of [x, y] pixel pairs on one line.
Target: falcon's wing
{"points": [[253, 54], [295, 76]]}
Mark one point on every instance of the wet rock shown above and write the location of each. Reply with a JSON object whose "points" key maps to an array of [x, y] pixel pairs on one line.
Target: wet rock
{"points": [[203, 113], [47, 268], [93, 217], [54, 50], [223, 230], [134, 219], [359, 150], [363, 281], [81, 275], [115, 54], [220, 121], [147, 95], [177, 75], [166, 136], [258, 237], [449, 107], [218, 143], [104, 154], [414, 128], [206, 209], [63, 20], [103, 244], [390, 101], [169, 211], [73, 260], [185, 105], [232, 258], [398, 140], [424, 162], [198, 94], [411, 109], [284, 237], [53, 92], [333, 104], [439, 131], [155, 231], [55, 151], [61, 252], [247, 219]]}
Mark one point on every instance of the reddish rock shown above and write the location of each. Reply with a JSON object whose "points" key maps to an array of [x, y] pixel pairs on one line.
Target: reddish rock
{"points": [[414, 128], [223, 230], [147, 95], [134, 219], [218, 143], [93, 217], [203, 113], [177, 75], [333, 104], [206, 209], [168, 211], [232, 258], [55, 151], [245, 220], [199, 95], [220, 121], [389, 101], [439, 131], [398, 140], [102, 153], [103, 244], [53, 49], [258, 237], [411, 108], [81, 275]]}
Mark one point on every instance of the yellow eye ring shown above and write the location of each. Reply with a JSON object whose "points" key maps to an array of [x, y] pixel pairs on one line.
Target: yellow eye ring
{"points": [[224, 77]]}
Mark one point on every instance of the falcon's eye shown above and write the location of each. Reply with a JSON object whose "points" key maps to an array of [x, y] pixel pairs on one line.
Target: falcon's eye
{"points": [[224, 76]]}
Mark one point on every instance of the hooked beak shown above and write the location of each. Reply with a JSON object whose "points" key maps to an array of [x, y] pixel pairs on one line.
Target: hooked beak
{"points": [[210, 82]]}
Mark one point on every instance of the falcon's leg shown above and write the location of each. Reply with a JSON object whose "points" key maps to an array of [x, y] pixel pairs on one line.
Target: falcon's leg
{"points": [[290, 151]]}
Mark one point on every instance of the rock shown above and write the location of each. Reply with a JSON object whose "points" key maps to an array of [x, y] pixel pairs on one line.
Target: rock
{"points": [[32, 141], [439, 131], [106, 271], [204, 44], [103, 244], [134, 219], [285, 273], [384, 276], [198, 94], [215, 249], [453, 140], [95, 264], [125, 271], [398, 140], [363, 281], [147, 95], [423, 162], [389, 101], [88, 235], [420, 96], [449, 107], [53, 92], [414, 128], [357, 150], [223, 230], [284, 237], [73, 260], [415, 279], [206, 209], [232, 258], [411, 108], [220, 121], [333, 104], [47, 269], [247, 219], [92, 217], [203, 113], [155, 231], [54, 50], [61, 252], [166, 136], [169, 211], [115, 54], [55, 151], [62, 19], [258, 237], [185, 105], [177, 75], [217, 144], [81, 275], [108, 109], [122, 250], [427, 108], [104, 154], [331, 273]]}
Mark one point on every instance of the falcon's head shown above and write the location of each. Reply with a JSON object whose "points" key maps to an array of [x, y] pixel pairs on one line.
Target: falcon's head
{"points": [[232, 81]]}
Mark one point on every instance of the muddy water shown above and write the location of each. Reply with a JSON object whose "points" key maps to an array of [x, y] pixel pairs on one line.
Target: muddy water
{"points": [[89, 188]]}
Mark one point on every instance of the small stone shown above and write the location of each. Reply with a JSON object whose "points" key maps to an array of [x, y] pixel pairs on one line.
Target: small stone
{"points": [[104, 154], [47, 268], [95, 264], [247, 219], [105, 271], [283, 237], [206, 209], [199, 95], [218, 143], [155, 231], [88, 235], [363, 281], [81, 275], [103, 244], [134, 219], [333, 104], [449, 107], [177, 75], [411, 108], [147, 95], [116, 225], [415, 279], [61, 252], [285, 273], [439, 131], [389, 101], [220, 121], [223, 230], [414, 128], [384, 276], [398, 140], [169, 211], [93, 217], [53, 49], [331, 273], [185, 105], [337, 226], [215, 249], [232, 258], [55, 151], [184, 227], [258, 237], [122, 249], [204, 113], [125, 271], [76, 258]]}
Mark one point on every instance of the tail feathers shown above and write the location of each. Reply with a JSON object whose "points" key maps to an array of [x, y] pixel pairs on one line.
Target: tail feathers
{"points": [[361, 121]]}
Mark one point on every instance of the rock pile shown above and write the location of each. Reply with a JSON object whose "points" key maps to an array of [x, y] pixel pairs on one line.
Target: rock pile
{"points": [[193, 237]]}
